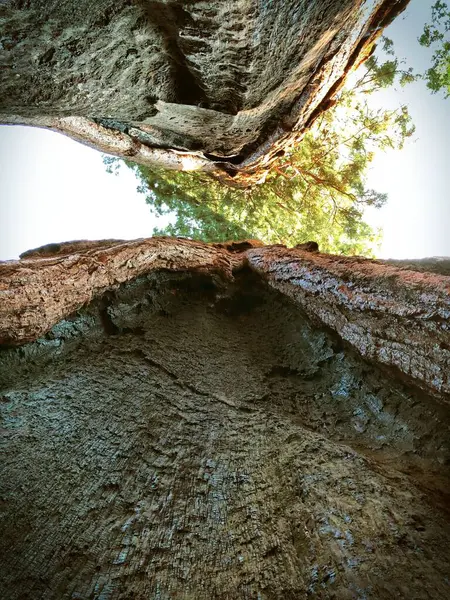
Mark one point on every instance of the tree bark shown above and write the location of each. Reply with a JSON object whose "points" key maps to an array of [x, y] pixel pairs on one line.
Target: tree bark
{"points": [[391, 315], [220, 87], [213, 422]]}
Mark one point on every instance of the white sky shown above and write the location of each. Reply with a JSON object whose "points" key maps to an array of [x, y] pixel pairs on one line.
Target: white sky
{"points": [[53, 189], [416, 218]]}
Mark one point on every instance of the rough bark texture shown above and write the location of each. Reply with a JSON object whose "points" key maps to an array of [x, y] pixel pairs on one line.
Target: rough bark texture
{"points": [[392, 315], [220, 86], [188, 432], [398, 317]]}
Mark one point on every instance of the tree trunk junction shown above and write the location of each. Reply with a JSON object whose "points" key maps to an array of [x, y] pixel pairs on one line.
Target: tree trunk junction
{"points": [[218, 86], [222, 421]]}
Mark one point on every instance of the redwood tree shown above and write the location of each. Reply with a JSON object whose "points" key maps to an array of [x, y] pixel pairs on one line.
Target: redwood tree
{"points": [[212, 421], [217, 86], [222, 421]]}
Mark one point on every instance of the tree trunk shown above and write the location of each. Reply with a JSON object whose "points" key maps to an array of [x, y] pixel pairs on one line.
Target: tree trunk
{"points": [[214, 86], [222, 421]]}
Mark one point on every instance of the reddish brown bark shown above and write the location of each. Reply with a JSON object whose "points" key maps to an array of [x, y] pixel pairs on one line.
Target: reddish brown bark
{"points": [[193, 434], [391, 315], [37, 293], [394, 316]]}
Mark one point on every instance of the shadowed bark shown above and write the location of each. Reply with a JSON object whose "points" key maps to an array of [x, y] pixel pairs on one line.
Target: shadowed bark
{"points": [[394, 316], [217, 86]]}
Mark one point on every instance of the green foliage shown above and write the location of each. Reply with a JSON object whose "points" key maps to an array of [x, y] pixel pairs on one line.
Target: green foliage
{"points": [[203, 208], [112, 164], [381, 75], [437, 36]]}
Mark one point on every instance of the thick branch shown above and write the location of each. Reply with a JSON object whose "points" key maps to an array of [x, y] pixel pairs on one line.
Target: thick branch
{"points": [[36, 293], [147, 80]]}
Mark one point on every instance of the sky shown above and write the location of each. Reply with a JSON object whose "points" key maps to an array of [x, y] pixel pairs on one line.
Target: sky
{"points": [[53, 189], [416, 218]]}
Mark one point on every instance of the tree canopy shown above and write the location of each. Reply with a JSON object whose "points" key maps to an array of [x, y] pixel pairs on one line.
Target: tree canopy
{"points": [[436, 35]]}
